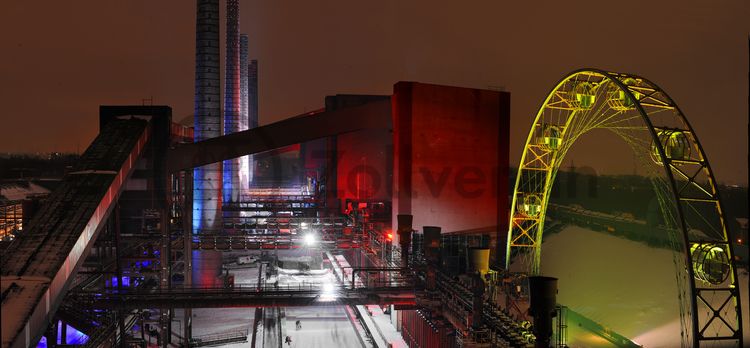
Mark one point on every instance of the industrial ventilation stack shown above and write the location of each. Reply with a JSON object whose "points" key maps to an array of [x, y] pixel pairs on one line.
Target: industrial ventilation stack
{"points": [[244, 163], [252, 109], [207, 116], [252, 85], [232, 117]]}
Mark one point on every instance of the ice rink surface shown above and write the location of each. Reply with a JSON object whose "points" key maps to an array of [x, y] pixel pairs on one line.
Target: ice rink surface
{"points": [[625, 285], [322, 326]]}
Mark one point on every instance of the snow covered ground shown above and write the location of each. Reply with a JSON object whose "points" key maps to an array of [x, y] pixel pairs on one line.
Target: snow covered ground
{"points": [[209, 321], [323, 326], [624, 285]]}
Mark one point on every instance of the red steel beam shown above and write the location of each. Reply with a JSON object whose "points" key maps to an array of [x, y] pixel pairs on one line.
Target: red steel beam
{"points": [[373, 115]]}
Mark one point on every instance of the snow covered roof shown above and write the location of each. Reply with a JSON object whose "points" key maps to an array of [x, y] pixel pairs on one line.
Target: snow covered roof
{"points": [[20, 191]]}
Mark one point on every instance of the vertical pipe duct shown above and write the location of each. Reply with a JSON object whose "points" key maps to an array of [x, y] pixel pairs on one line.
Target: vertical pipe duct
{"points": [[231, 189], [431, 242], [479, 265], [207, 116], [432, 253], [477, 300], [404, 236], [244, 165]]}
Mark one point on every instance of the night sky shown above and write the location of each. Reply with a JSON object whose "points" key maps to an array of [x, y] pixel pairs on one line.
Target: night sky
{"points": [[61, 59]]}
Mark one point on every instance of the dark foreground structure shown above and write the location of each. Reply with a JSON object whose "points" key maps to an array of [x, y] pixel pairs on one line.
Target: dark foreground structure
{"points": [[118, 232]]}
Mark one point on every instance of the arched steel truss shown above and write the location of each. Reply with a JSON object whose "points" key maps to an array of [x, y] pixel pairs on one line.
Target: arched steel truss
{"points": [[668, 149]]}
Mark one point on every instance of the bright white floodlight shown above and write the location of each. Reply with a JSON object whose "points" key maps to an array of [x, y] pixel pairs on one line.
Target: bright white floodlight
{"points": [[328, 294], [310, 239]]}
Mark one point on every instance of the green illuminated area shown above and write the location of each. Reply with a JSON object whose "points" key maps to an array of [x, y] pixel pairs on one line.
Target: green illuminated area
{"points": [[532, 205], [675, 144], [710, 263], [666, 148]]}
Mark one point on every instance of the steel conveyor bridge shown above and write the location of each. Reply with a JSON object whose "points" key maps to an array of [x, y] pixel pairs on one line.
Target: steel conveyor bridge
{"points": [[39, 266]]}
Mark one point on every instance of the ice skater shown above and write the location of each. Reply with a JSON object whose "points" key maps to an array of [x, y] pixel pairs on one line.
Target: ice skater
{"points": [[299, 324], [288, 340]]}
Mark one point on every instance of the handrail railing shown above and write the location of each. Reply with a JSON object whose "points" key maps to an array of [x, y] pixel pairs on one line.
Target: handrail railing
{"points": [[260, 288]]}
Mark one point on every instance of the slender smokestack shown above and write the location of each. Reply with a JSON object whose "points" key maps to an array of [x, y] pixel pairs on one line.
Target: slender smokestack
{"points": [[207, 117], [244, 165], [231, 192], [252, 86], [252, 108]]}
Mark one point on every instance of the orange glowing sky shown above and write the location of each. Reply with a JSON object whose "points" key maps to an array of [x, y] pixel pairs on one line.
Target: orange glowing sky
{"points": [[61, 59]]}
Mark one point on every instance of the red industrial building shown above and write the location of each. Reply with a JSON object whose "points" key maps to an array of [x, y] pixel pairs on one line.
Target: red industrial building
{"points": [[451, 158]]}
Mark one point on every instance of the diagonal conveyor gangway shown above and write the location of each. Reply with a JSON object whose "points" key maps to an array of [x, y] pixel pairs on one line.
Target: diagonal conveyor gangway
{"points": [[39, 265]]}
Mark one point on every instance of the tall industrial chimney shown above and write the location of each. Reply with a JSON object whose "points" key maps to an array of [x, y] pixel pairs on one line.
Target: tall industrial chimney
{"points": [[231, 191], [252, 108], [207, 116], [252, 85], [244, 165]]}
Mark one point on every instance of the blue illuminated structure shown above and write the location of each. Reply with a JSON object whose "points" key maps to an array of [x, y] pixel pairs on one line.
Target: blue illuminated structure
{"points": [[207, 179], [232, 105], [72, 337]]}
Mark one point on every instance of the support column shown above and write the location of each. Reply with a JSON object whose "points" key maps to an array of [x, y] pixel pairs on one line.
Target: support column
{"points": [[51, 335], [63, 332], [115, 223], [331, 188], [187, 237], [165, 276]]}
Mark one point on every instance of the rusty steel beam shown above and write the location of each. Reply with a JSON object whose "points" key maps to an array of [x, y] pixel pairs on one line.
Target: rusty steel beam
{"points": [[373, 115]]}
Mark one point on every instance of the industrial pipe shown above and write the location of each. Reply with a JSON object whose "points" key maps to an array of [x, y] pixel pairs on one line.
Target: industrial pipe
{"points": [[404, 236]]}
